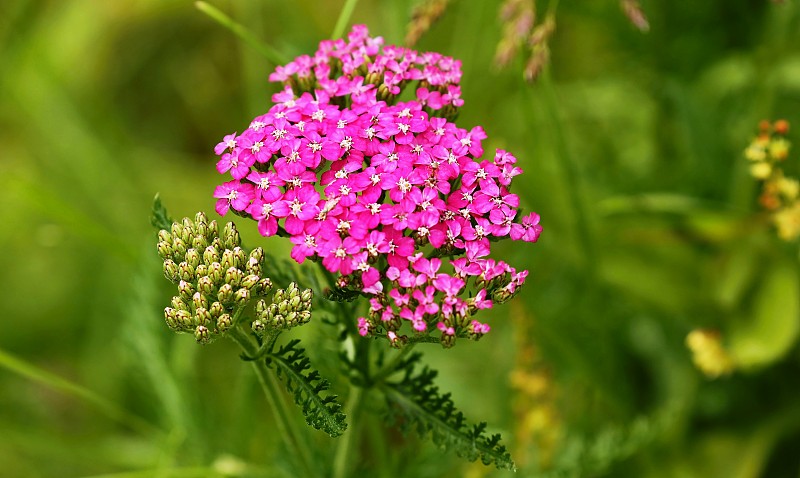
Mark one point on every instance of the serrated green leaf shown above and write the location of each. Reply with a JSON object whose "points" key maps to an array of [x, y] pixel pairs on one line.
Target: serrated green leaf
{"points": [[415, 402], [306, 387], [159, 217]]}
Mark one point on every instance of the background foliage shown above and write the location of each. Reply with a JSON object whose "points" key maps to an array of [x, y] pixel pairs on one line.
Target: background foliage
{"points": [[631, 145]]}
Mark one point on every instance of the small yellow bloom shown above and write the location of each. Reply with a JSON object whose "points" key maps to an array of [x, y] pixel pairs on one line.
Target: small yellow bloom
{"points": [[779, 149], [787, 220], [708, 354], [755, 152], [760, 170], [789, 187]]}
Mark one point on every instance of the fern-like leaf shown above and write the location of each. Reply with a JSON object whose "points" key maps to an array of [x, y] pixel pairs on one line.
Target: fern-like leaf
{"points": [[159, 217], [306, 387], [415, 401]]}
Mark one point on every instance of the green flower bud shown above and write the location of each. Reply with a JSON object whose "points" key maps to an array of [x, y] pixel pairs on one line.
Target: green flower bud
{"points": [[202, 316], [179, 304], [201, 223], [278, 296], [253, 267], [294, 303], [199, 242], [283, 307], [177, 231], [216, 309], [233, 276], [225, 294], [216, 244], [184, 318], [241, 297], [263, 287], [164, 249], [249, 281], [186, 290], [292, 290], [171, 316], [164, 236], [201, 270], [305, 305], [259, 327], [278, 321], [213, 230], [261, 308], [239, 256], [291, 319], [230, 236], [304, 317], [188, 229], [501, 295], [210, 255], [257, 254], [224, 323], [171, 270], [185, 271], [178, 247], [215, 273], [306, 295], [447, 341], [228, 260], [199, 301], [272, 311], [205, 286], [202, 334]]}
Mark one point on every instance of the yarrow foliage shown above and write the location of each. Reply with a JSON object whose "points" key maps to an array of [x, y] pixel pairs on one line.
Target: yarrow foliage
{"points": [[380, 190]]}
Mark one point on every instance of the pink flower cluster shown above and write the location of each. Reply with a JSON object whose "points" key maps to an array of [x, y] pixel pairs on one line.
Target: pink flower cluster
{"points": [[381, 190]]}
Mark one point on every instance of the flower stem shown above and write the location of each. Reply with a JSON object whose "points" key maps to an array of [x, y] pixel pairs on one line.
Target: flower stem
{"points": [[344, 18], [343, 450], [570, 168], [240, 31], [286, 428]]}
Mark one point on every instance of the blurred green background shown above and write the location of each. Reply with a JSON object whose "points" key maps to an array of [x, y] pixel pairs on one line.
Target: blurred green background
{"points": [[631, 146]]}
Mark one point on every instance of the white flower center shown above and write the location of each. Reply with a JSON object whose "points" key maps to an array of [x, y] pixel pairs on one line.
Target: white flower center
{"points": [[404, 185]]}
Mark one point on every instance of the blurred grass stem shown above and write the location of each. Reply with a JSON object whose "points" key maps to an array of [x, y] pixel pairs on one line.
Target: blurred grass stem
{"points": [[44, 377], [288, 431], [570, 169], [243, 33], [344, 18], [341, 462]]}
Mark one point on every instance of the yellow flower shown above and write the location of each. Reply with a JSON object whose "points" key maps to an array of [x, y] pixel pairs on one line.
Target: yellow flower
{"points": [[779, 149], [708, 354], [789, 187], [755, 152], [787, 220], [760, 170]]}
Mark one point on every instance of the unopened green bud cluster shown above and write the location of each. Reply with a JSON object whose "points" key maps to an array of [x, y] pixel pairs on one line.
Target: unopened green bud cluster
{"points": [[290, 307], [215, 276]]}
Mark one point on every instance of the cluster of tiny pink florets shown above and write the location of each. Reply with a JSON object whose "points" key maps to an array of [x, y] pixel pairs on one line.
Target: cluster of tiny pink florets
{"points": [[380, 190]]}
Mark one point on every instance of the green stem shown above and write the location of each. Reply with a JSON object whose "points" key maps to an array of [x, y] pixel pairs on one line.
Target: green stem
{"points": [[389, 368], [240, 31], [269, 383], [109, 408], [571, 171], [341, 460], [344, 18]]}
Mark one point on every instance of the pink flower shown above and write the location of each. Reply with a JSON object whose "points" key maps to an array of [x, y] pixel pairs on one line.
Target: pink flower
{"points": [[528, 230], [384, 193], [233, 194]]}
